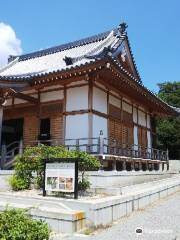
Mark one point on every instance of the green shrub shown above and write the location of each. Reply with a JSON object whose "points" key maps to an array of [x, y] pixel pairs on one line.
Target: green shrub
{"points": [[29, 167], [83, 184], [16, 224], [18, 183]]}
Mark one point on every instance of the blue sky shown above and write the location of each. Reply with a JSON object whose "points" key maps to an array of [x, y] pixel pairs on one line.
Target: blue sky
{"points": [[153, 30]]}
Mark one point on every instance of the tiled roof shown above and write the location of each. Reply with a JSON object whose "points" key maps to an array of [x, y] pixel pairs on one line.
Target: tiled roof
{"points": [[80, 52]]}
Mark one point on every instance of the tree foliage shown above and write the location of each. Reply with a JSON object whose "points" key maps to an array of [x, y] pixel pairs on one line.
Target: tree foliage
{"points": [[168, 130], [29, 166]]}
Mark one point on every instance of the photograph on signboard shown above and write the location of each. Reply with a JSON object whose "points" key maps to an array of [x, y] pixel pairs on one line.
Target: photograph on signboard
{"points": [[52, 182], [69, 183]]}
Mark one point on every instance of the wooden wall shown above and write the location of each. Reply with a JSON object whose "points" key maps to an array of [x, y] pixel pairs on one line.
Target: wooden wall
{"points": [[86, 103]]}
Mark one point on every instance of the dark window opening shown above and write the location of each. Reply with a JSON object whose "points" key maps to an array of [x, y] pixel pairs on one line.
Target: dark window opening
{"points": [[44, 129]]}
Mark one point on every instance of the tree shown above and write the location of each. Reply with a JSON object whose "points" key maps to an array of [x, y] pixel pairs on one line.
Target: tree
{"points": [[168, 130]]}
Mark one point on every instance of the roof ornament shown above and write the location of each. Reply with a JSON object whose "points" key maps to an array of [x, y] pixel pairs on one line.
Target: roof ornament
{"points": [[122, 27], [68, 60], [4, 94]]}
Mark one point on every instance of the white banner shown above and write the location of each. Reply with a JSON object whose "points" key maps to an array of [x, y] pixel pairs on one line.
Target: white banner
{"points": [[60, 177]]}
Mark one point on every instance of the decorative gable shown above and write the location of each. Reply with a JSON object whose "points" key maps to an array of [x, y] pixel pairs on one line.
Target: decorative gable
{"points": [[125, 58]]}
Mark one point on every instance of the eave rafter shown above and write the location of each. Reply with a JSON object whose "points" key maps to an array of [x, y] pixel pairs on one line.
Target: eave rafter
{"points": [[140, 90]]}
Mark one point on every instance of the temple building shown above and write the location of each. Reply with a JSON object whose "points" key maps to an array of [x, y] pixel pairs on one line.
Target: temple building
{"points": [[87, 95]]}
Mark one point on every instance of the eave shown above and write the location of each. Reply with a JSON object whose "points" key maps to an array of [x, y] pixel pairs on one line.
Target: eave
{"points": [[134, 83]]}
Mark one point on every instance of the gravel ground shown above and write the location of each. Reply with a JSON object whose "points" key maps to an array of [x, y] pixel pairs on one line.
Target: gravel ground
{"points": [[160, 221]]}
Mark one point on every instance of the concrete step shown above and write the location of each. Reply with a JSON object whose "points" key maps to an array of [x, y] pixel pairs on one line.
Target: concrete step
{"points": [[61, 219]]}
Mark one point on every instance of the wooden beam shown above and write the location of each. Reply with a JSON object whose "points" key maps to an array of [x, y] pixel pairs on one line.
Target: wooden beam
{"points": [[26, 97]]}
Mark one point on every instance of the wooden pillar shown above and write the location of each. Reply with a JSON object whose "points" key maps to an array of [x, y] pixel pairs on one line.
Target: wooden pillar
{"points": [[90, 107], [152, 166], [1, 120], [124, 165], [64, 116], [140, 166]]}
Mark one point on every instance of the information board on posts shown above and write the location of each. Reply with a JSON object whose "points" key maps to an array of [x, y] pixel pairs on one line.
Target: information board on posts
{"points": [[61, 175]]}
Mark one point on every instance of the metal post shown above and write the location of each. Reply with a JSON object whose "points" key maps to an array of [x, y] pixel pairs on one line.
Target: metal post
{"points": [[101, 143], [162, 166], [21, 147], [132, 166], [77, 144], [3, 155], [167, 152], [114, 147]]}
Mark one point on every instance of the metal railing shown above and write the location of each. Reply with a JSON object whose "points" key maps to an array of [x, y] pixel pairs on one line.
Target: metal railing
{"points": [[102, 146], [96, 146]]}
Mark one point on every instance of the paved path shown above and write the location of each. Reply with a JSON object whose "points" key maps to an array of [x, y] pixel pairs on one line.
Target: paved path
{"points": [[160, 221]]}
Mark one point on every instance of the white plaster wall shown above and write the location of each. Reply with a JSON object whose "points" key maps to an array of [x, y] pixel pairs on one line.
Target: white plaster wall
{"points": [[126, 107], [115, 101], [77, 98], [99, 100], [19, 101], [149, 139], [77, 126], [99, 123], [135, 137], [142, 118], [51, 96], [134, 115], [148, 121]]}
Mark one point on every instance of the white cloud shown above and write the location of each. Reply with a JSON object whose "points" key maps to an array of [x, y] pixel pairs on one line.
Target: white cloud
{"points": [[9, 43]]}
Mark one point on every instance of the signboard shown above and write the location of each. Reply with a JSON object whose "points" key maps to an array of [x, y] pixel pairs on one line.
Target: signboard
{"points": [[61, 175]]}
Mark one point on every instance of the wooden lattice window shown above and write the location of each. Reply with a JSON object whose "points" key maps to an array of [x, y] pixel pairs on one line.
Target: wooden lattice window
{"points": [[114, 111], [142, 137], [115, 130], [127, 117]]}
